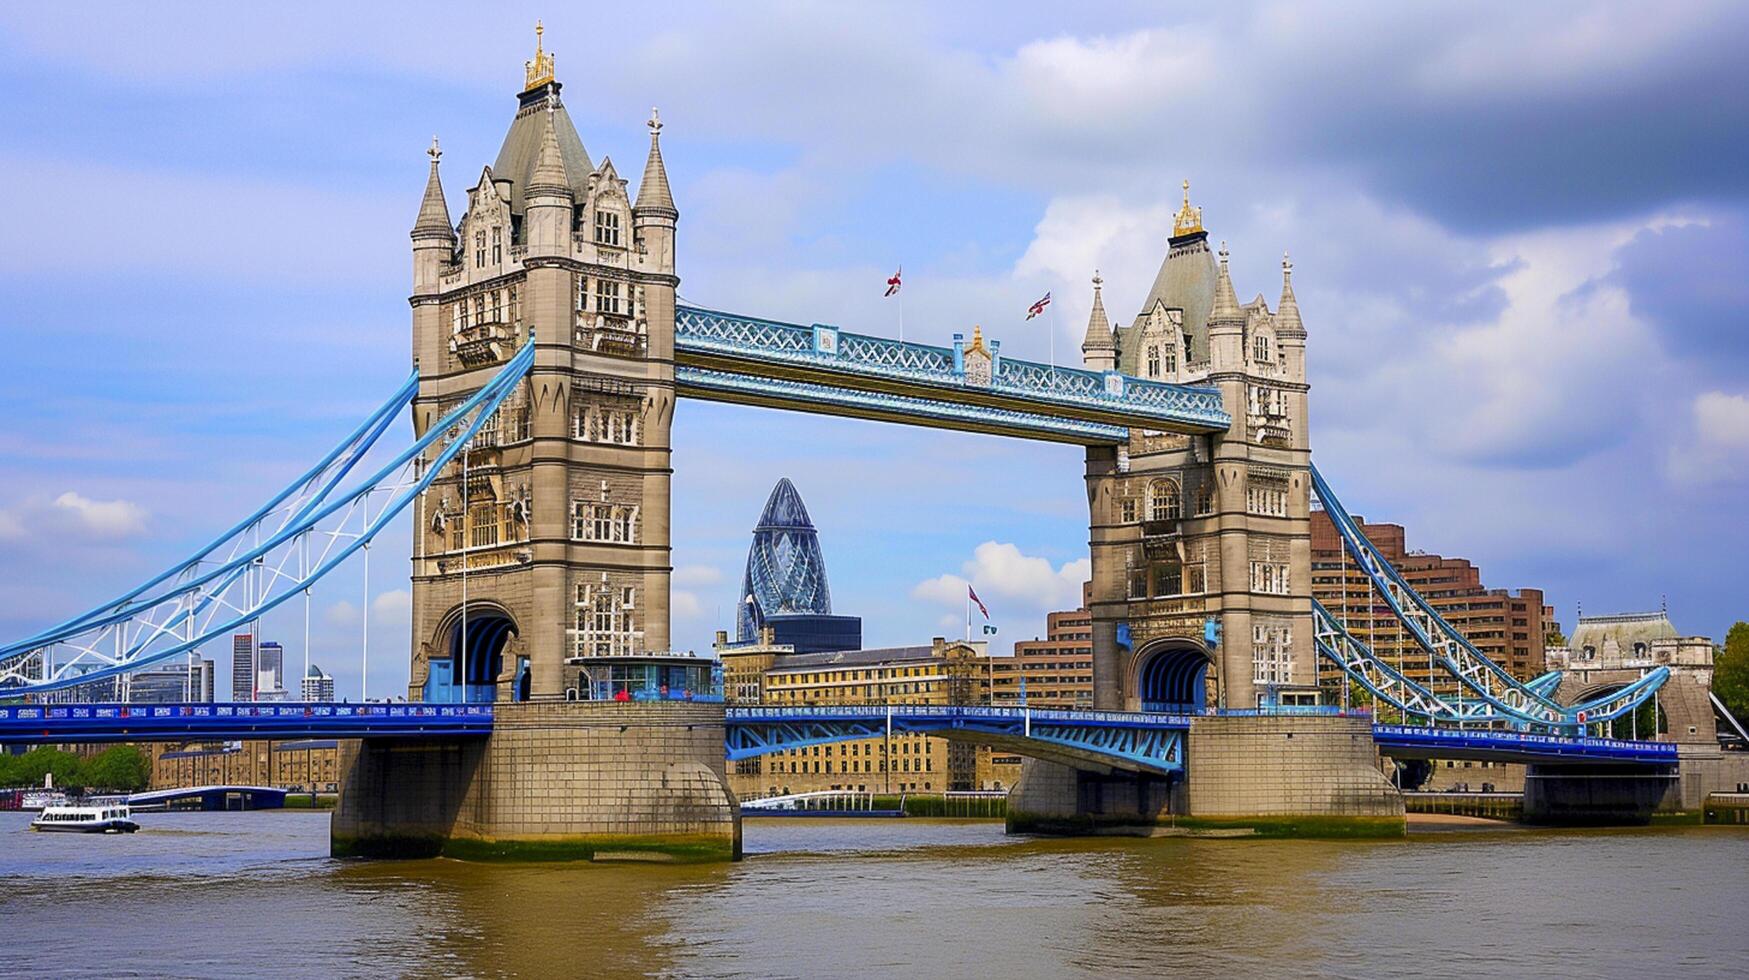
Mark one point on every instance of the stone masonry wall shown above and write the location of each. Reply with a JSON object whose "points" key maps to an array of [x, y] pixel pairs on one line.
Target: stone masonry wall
{"points": [[1241, 769], [555, 779]]}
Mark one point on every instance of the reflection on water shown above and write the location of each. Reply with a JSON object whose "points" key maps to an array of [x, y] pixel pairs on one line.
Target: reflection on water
{"points": [[222, 894]]}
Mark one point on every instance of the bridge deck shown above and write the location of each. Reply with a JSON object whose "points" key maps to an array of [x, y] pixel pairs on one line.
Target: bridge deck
{"points": [[1146, 739], [36, 724], [820, 368]]}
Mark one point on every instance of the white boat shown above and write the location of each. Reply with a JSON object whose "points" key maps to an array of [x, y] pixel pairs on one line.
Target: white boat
{"points": [[108, 818]]}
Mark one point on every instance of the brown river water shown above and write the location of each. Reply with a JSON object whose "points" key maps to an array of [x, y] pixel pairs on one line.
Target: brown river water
{"points": [[254, 894]]}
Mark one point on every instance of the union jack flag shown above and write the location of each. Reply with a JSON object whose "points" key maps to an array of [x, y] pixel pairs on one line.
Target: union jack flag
{"points": [[893, 283], [972, 594], [1038, 307]]}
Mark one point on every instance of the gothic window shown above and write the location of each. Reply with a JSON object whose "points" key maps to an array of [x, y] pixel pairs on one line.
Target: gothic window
{"points": [[1260, 348], [1127, 510], [606, 228], [1271, 654], [607, 296], [1153, 369], [479, 249], [479, 310], [1205, 500], [1168, 579], [515, 308], [1163, 501], [1269, 577], [497, 306], [605, 621], [1138, 585], [1266, 495], [483, 525], [497, 244], [582, 293], [461, 315], [1171, 357]]}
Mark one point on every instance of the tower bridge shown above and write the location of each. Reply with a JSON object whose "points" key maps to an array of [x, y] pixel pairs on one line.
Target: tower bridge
{"points": [[550, 353]]}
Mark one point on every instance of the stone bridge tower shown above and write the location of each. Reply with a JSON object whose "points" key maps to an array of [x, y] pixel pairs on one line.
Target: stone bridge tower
{"points": [[551, 539], [1201, 545]]}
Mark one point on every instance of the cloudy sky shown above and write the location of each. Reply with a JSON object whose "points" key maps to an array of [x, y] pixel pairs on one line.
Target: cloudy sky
{"points": [[1518, 231]]}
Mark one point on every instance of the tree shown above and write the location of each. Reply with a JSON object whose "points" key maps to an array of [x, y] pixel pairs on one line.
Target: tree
{"points": [[1731, 671], [121, 768], [28, 769]]}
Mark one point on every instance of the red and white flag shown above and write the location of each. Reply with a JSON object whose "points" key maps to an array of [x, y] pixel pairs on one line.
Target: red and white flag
{"points": [[1038, 307], [893, 283], [972, 594]]}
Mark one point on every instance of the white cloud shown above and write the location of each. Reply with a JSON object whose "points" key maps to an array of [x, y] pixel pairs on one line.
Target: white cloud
{"points": [[1718, 450], [684, 604], [103, 518], [341, 613], [1001, 572], [394, 606]]}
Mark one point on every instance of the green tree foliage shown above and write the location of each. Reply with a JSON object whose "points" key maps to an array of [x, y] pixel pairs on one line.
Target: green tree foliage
{"points": [[1731, 671], [122, 768]]}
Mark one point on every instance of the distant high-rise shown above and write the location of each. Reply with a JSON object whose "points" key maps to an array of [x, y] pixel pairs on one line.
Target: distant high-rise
{"points": [[270, 670], [243, 667], [317, 685], [784, 589], [173, 682]]}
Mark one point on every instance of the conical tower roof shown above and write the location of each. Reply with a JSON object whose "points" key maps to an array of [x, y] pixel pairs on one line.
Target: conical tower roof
{"points": [[520, 154], [548, 176], [1098, 326], [433, 221], [1287, 313], [1226, 307], [653, 192]]}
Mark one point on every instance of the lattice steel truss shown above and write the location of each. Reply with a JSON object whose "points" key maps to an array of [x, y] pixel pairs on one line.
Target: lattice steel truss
{"points": [[278, 552], [1122, 739], [1508, 698]]}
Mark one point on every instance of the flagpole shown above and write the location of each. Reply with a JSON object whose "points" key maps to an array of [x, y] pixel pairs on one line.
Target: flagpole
{"points": [[901, 311], [968, 612]]}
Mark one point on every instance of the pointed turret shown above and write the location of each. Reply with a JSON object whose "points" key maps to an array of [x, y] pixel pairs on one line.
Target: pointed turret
{"points": [[1226, 306], [653, 192], [550, 199], [433, 223], [654, 216], [1287, 313], [549, 178], [1098, 349]]}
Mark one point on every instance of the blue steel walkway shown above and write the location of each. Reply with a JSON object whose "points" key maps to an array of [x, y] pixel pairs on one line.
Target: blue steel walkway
{"points": [[1137, 741], [36, 724]]}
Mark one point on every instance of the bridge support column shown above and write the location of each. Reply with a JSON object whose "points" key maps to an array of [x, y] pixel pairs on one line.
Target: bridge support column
{"points": [[554, 781], [1594, 795], [1278, 775]]}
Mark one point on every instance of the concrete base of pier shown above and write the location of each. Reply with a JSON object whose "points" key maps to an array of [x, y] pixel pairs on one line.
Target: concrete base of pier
{"points": [[1282, 776], [1575, 796], [554, 781]]}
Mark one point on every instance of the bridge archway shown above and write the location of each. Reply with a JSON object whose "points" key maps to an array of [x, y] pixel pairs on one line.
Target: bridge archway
{"points": [[471, 656], [1172, 675]]}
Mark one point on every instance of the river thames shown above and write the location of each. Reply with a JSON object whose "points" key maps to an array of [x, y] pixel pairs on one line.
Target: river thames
{"points": [[209, 895]]}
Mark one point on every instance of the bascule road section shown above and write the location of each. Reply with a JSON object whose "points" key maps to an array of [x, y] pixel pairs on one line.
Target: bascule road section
{"points": [[548, 711]]}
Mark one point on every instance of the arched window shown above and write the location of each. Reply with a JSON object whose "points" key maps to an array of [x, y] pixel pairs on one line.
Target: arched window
{"points": [[1153, 369], [1640, 650], [1205, 499], [1163, 501], [1260, 347]]}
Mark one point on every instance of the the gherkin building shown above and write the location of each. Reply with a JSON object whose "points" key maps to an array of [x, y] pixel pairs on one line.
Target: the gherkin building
{"points": [[785, 586]]}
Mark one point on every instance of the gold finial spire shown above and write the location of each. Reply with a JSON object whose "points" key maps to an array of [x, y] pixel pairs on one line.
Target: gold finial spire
{"points": [[539, 71], [435, 153], [655, 123], [1188, 220]]}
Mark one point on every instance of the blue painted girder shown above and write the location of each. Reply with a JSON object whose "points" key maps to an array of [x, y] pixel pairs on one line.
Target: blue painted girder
{"points": [[1130, 740], [37, 724]]}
